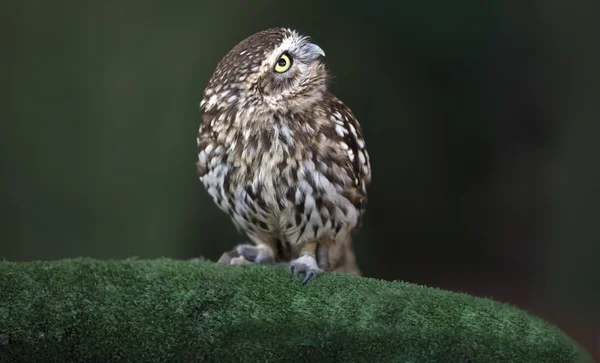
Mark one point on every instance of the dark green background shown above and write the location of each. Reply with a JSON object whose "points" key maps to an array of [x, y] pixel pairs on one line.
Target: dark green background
{"points": [[481, 119]]}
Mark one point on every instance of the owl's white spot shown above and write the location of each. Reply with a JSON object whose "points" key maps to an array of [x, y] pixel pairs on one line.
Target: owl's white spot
{"points": [[303, 188], [230, 139], [361, 156], [202, 157], [340, 130], [351, 154], [309, 202], [285, 130], [360, 143], [309, 166], [214, 162], [344, 145], [213, 192], [231, 99], [352, 129], [212, 100], [243, 52], [366, 169]]}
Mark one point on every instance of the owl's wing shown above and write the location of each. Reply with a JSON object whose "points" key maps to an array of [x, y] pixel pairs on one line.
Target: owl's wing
{"points": [[205, 144], [349, 132], [207, 139], [209, 150]]}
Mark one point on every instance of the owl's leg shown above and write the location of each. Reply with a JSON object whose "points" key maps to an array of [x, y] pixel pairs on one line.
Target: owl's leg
{"points": [[322, 255], [338, 256], [307, 262], [246, 254]]}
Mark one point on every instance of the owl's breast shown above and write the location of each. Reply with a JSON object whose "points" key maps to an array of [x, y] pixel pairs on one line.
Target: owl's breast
{"points": [[285, 181], [289, 193]]}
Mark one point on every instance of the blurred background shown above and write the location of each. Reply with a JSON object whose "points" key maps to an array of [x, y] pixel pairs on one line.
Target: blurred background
{"points": [[481, 119]]}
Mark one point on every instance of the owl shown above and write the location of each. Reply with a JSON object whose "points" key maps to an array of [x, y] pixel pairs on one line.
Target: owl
{"points": [[282, 156]]}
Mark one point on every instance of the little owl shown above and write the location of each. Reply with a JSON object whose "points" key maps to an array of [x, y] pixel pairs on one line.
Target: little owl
{"points": [[283, 156]]}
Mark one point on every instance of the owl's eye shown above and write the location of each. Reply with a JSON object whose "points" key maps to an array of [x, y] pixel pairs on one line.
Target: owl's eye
{"points": [[283, 63]]}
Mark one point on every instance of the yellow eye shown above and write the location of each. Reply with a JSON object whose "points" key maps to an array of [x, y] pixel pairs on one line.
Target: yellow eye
{"points": [[283, 64]]}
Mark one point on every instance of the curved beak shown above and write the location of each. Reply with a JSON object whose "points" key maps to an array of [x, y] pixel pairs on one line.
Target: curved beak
{"points": [[315, 51]]}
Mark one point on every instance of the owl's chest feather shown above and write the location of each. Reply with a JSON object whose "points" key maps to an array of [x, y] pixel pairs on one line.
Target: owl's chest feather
{"points": [[277, 181]]}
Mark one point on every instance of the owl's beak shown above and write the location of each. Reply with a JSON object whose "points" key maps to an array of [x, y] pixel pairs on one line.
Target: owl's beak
{"points": [[315, 51]]}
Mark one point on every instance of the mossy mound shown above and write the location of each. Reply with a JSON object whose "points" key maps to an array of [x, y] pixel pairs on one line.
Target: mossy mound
{"points": [[166, 310]]}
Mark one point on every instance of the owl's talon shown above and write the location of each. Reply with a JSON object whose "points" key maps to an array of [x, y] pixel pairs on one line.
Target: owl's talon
{"points": [[248, 254], [309, 276], [307, 264], [259, 254]]}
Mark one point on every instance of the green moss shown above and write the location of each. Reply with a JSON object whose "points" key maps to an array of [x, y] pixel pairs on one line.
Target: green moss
{"points": [[166, 310]]}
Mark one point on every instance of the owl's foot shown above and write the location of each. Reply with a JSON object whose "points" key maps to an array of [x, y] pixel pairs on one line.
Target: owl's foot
{"points": [[248, 254], [306, 263]]}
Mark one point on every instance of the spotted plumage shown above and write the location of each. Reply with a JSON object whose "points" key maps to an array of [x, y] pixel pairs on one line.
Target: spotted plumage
{"points": [[281, 155]]}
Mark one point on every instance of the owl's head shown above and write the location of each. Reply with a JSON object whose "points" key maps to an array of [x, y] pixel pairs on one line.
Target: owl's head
{"points": [[273, 70]]}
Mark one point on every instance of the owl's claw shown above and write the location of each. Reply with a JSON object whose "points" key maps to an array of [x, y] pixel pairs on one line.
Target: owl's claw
{"points": [[248, 254], [307, 264], [232, 258], [309, 276]]}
